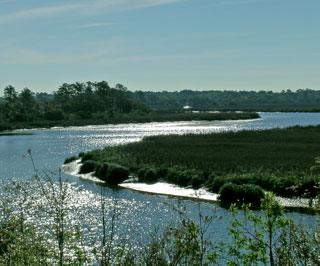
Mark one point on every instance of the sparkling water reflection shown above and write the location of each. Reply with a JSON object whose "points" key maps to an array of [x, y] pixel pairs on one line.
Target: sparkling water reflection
{"points": [[140, 212]]}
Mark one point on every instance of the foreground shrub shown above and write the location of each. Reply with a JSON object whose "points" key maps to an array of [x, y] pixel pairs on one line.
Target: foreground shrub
{"points": [[87, 167], [233, 193], [254, 239], [20, 244]]}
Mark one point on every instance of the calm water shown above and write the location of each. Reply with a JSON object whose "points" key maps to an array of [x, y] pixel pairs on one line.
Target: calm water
{"points": [[139, 211]]}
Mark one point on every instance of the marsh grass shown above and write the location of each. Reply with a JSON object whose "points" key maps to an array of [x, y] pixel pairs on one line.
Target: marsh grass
{"points": [[278, 160]]}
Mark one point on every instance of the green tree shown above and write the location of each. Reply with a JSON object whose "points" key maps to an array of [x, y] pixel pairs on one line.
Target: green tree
{"points": [[10, 94], [185, 242], [11, 108], [27, 100], [105, 96], [253, 238], [63, 96], [270, 238]]}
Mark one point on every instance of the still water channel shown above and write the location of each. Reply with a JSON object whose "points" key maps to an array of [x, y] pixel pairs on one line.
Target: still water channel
{"points": [[140, 212]]}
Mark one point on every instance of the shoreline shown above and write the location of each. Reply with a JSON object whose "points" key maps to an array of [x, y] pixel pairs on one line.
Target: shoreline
{"points": [[170, 190], [156, 117], [28, 131]]}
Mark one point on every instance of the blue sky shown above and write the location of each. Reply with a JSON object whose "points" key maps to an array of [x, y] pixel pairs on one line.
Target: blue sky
{"points": [[161, 44]]}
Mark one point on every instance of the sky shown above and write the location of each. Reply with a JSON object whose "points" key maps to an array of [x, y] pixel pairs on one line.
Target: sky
{"points": [[155, 45]]}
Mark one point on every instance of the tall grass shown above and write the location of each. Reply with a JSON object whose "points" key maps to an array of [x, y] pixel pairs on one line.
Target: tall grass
{"points": [[278, 159]]}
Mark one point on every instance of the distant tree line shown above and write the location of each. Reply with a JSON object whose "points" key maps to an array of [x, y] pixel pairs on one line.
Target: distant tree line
{"points": [[232, 100], [98, 100], [70, 101]]}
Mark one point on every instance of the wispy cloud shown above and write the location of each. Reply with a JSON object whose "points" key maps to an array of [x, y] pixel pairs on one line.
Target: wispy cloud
{"points": [[22, 56], [238, 2], [102, 56], [82, 8], [294, 55], [38, 12], [161, 58], [191, 57], [136, 4], [94, 25], [34, 57]]}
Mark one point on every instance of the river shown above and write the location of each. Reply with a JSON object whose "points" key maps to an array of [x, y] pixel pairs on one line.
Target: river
{"points": [[140, 212]]}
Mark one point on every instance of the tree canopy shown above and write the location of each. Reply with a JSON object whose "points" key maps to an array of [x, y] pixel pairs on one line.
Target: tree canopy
{"points": [[75, 101], [236, 100]]}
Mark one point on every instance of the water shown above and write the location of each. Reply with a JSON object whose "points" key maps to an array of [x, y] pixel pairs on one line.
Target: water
{"points": [[139, 211], [51, 146]]}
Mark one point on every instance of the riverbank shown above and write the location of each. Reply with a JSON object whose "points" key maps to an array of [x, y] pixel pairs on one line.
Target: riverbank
{"points": [[132, 118], [277, 160], [290, 204], [171, 190]]}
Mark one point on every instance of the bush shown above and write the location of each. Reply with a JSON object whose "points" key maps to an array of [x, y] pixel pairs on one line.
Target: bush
{"points": [[192, 177], [265, 181], [97, 169], [308, 187], [71, 159], [171, 175], [217, 182], [233, 193], [162, 172], [116, 174], [87, 157], [197, 181], [87, 167], [102, 171], [284, 186], [148, 175], [183, 179]]}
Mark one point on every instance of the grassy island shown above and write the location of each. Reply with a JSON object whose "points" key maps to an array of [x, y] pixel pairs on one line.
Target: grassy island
{"points": [[278, 160]]}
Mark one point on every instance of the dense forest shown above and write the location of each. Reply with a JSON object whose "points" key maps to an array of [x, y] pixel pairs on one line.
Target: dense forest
{"points": [[99, 103], [90, 100], [82, 100], [300, 100]]}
